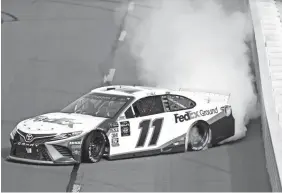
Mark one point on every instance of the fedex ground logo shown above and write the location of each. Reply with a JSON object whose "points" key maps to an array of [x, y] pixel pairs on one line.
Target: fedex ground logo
{"points": [[193, 115], [186, 117]]}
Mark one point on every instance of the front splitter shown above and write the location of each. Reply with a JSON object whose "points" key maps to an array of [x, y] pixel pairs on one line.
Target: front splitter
{"points": [[39, 162]]}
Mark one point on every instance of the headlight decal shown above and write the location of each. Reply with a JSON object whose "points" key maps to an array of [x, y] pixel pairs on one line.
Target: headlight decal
{"points": [[67, 135]]}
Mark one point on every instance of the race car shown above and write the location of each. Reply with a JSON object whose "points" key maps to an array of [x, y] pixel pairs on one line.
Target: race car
{"points": [[119, 121]]}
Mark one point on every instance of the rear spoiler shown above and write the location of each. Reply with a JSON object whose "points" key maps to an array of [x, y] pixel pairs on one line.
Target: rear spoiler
{"points": [[207, 95]]}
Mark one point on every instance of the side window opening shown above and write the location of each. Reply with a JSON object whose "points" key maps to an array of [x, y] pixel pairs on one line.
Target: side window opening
{"points": [[148, 106], [137, 112], [165, 103], [177, 103], [129, 113]]}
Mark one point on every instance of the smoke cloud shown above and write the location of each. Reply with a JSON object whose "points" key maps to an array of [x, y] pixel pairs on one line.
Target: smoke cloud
{"points": [[196, 44]]}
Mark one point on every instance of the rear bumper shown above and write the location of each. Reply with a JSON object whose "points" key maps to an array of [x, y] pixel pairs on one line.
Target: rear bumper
{"points": [[24, 160]]}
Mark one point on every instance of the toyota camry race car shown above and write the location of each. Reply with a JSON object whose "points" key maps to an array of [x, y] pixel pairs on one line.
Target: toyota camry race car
{"points": [[122, 122]]}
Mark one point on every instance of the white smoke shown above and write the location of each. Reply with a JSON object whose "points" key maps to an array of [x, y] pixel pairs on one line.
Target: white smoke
{"points": [[195, 44]]}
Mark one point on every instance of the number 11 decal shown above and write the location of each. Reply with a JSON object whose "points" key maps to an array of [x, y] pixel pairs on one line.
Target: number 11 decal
{"points": [[144, 126]]}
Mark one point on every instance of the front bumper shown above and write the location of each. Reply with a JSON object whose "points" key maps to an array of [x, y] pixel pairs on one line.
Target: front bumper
{"points": [[44, 151]]}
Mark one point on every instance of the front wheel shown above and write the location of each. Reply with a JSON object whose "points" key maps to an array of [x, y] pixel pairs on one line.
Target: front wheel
{"points": [[94, 147], [198, 138]]}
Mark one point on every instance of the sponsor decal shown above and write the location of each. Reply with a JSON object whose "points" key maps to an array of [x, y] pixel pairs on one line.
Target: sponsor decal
{"points": [[75, 146], [113, 124], [125, 128], [109, 98], [114, 135], [181, 118], [226, 109], [113, 127], [76, 152], [194, 114], [75, 143], [208, 112], [60, 121], [115, 138], [113, 130], [27, 144], [115, 142]]}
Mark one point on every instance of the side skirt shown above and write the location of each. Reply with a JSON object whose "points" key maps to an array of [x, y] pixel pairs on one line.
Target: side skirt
{"points": [[167, 150]]}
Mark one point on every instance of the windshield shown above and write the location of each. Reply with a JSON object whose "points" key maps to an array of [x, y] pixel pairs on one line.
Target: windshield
{"points": [[96, 104]]}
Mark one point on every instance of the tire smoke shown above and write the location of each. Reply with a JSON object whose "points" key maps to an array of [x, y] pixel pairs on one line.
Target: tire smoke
{"points": [[196, 44]]}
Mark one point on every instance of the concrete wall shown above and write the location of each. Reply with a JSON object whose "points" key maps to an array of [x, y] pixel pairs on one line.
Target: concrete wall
{"points": [[267, 48]]}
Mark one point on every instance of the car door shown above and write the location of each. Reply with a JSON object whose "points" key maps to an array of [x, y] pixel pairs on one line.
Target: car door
{"points": [[146, 127]]}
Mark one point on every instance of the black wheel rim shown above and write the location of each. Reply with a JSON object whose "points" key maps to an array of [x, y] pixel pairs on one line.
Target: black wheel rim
{"points": [[198, 139], [95, 146]]}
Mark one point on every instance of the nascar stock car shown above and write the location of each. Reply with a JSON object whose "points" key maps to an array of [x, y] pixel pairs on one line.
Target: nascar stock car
{"points": [[124, 121]]}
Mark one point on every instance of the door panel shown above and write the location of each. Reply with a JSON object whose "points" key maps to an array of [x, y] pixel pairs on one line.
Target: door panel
{"points": [[145, 133], [151, 132]]}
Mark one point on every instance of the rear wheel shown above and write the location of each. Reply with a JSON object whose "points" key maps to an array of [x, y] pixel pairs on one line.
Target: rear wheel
{"points": [[198, 138], [94, 147]]}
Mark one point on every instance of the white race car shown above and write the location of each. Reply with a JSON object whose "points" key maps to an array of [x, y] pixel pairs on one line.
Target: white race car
{"points": [[124, 121]]}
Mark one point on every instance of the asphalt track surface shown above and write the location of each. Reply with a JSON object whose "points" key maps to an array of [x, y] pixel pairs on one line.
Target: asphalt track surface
{"points": [[55, 50]]}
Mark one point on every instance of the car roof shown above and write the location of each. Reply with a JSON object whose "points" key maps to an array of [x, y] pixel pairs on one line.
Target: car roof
{"points": [[142, 91], [133, 91]]}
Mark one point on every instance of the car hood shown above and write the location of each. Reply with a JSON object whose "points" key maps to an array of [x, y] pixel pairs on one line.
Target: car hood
{"points": [[56, 123]]}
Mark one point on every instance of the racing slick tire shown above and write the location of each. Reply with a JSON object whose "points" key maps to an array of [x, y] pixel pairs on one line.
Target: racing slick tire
{"points": [[94, 147], [199, 137]]}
